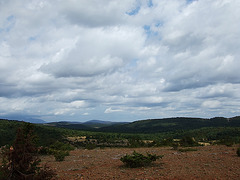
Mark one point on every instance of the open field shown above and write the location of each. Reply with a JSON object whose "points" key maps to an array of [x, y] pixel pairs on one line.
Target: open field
{"points": [[209, 162]]}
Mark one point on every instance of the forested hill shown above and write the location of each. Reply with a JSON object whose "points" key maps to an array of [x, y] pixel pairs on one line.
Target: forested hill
{"points": [[214, 128], [172, 124], [151, 125]]}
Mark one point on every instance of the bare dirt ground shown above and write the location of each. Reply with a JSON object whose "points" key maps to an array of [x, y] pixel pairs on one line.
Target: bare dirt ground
{"points": [[210, 162]]}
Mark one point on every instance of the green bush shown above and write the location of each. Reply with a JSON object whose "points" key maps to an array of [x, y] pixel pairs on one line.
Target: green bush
{"points": [[238, 151], [60, 155], [135, 143], [227, 141], [167, 142], [90, 146], [139, 160], [188, 141], [59, 150], [61, 146]]}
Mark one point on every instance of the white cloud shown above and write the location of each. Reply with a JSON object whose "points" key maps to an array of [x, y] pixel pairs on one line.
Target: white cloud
{"points": [[93, 13], [77, 58], [78, 104], [211, 104], [97, 51], [85, 114], [110, 110]]}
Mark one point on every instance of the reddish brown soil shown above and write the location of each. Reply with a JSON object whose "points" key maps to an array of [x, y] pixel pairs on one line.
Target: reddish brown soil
{"points": [[210, 162]]}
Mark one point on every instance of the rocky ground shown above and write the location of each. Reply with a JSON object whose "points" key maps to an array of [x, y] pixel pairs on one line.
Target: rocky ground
{"points": [[210, 162]]}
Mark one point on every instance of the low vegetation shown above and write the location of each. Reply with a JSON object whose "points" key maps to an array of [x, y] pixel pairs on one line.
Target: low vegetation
{"points": [[139, 160], [20, 158], [58, 149], [47, 135]]}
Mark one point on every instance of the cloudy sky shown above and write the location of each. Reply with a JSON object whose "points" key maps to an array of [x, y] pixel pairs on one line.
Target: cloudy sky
{"points": [[117, 60]]}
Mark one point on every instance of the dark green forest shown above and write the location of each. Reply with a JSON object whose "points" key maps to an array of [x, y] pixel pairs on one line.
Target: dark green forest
{"points": [[155, 132], [172, 124]]}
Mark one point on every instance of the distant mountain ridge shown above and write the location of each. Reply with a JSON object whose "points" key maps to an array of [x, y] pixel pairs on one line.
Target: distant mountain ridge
{"points": [[88, 125], [68, 125], [101, 124], [98, 122], [149, 125]]}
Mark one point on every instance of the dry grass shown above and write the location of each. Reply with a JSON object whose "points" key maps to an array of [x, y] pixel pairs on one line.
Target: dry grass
{"points": [[210, 162]]}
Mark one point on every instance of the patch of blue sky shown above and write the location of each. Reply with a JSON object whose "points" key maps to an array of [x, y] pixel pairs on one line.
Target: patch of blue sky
{"points": [[190, 1], [33, 38], [147, 28], [150, 3], [159, 24], [133, 63], [149, 32], [8, 24], [138, 7], [130, 68], [134, 11], [11, 18]]}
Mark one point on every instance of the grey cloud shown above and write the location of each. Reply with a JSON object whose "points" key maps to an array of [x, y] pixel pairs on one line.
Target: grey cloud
{"points": [[7, 90], [62, 59], [82, 68], [186, 42], [96, 52], [93, 13], [148, 104], [219, 90], [198, 36], [197, 74]]}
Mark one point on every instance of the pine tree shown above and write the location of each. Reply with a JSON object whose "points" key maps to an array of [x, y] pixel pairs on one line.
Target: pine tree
{"points": [[22, 160]]}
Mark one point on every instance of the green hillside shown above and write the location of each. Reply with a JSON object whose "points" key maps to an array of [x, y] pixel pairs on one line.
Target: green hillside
{"points": [[172, 124], [69, 125], [46, 135], [223, 129], [151, 125], [86, 126]]}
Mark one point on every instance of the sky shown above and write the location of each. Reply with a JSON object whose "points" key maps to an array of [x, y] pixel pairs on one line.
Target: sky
{"points": [[127, 60]]}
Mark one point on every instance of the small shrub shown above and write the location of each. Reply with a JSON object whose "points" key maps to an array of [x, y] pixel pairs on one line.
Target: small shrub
{"points": [[188, 141], [59, 150], [167, 142], [61, 146], [238, 151], [60, 155], [90, 146], [139, 160], [135, 143], [227, 142]]}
